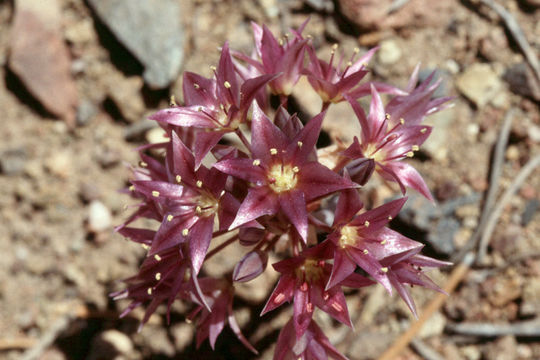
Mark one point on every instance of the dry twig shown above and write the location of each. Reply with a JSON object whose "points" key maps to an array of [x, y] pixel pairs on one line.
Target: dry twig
{"points": [[525, 329]]}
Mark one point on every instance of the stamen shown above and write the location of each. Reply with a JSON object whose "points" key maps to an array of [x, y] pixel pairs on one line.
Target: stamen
{"points": [[325, 296], [337, 307], [256, 162], [143, 164], [366, 223], [155, 193], [384, 269], [145, 247], [132, 188], [390, 218], [149, 291], [172, 101], [273, 151], [198, 209], [365, 251], [178, 179], [423, 131], [299, 144], [415, 148], [169, 217], [402, 121], [157, 257], [158, 276], [199, 183], [196, 86], [409, 154], [227, 85], [295, 169], [387, 116], [278, 299], [383, 242], [309, 307], [185, 232]]}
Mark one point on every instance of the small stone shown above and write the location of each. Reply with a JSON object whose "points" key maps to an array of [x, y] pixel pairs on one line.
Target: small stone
{"points": [[151, 30], [512, 153], [85, 112], [530, 304], [99, 217], [479, 83], [40, 58], [59, 164], [12, 162], [182, 334], [156, 135], [504, 348], [534, 133], [434, 326], [436, 144], [126, 95], [522, 81], [471, 352], [109, 344], [389, 52]]}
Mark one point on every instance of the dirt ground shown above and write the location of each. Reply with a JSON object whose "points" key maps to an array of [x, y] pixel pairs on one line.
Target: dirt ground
{"points": [[59, 180]]}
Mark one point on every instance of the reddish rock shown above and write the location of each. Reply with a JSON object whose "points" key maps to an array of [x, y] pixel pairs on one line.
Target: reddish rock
{"points": [[40, 58], [378, 14]]}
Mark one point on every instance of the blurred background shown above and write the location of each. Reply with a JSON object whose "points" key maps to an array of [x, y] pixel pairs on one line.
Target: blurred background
{"points": [[78, 79]]}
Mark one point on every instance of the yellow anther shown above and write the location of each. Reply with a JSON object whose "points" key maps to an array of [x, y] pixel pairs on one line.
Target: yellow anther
{"points": [[178, 179], [365, 251], [384, 269], [256, 162], [356, 50], [409, 154], [222, 107], [157, 257], [196, 86], [155, 193], [299, 143], [198, 209], [295, 169], [387, 116], [199, 183], [222, 193], [158, 276], [185, 232], [280, 42], [143, 164], [170, 217], [402, 121], [213, 68], [172, 101], [415, 148], [227, 84], [149, 291], [423, 131], [366, 223], [390, 218], [349, 63], [132, 188], [335, 46], [199, 109], [383, 242], [273, 151], [145, 247]]}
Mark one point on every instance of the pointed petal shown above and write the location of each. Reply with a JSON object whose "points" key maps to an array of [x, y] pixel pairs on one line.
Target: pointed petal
{"points": [[371, 266], [258, 202], [343, 267], [283, 292], [293, 205], [378, 217], [265, 136], [243, 169], [304, 142], [141, 236], [333, 302], [403, 293], [227, 82], [200, 236], [366, 134], [348, 205], [205, 141], [394, 243], [184, 116], [250, 88], [317, 180], [169, 234], [158, 190], [198, 90], [238, 332], [183, 161], [410, 178], [301, 316]]}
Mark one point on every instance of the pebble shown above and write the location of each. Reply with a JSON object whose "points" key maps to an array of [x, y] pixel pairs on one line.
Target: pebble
{"points": [[471, 352], [530, 210], [156, 135], [530, 304], [389, 52], [110, 343], [59, 164], [40, 58], [13, 161], [151, 30], [86, 112], [522, 82], [99, 217], [182, 334], [504, 348], [434, 326], [126, 95], [479, 83], [436, 145]]}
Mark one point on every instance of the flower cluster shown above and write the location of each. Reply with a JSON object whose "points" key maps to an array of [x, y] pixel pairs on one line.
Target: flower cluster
{"points": [[235, 167]]}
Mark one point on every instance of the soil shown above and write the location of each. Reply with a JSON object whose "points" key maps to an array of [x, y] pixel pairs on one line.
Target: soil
{"points": [[61, 263]]}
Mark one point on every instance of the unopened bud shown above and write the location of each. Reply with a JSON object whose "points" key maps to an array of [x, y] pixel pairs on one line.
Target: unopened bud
{"points": [[252, 265]]}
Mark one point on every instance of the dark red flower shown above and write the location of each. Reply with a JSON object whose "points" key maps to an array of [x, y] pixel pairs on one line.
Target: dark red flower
{"points": [[282, 176]]}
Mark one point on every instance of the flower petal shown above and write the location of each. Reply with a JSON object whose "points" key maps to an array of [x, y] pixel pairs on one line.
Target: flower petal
{"points": [[410, 178], [293, 205], [265, 136], [258, 202], [317, 180]]}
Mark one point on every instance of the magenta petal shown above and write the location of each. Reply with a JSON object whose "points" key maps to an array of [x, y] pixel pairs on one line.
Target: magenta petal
{"points": [[236, 330], [301, 316], [348, 205], [403, 293], [378, 217], [317, 180], [365, 89], [377, 115], [250, 88], [159, 189], [333, 303], [258, 202], [394, 243], [226, 74], [169, 234], [342, 268], [200, 236], [205, 141], [307, 137], [183, 162], [243, 169], [366, 127], [142, 236], [282, 293], [411, 178], [356, 281], [293, 205], [198, 90], [265, 135], [371, 266], [184, 116]]}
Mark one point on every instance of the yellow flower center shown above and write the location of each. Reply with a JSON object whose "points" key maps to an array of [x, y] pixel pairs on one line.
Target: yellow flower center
{"points": [[310, 271], [282, 177], [207, 205], [349, 236], [371, 152]]}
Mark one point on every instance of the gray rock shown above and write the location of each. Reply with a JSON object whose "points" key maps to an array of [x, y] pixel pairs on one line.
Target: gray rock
{"points": [[12, 162], [85, 112], [522, 81], [151, 30]]}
